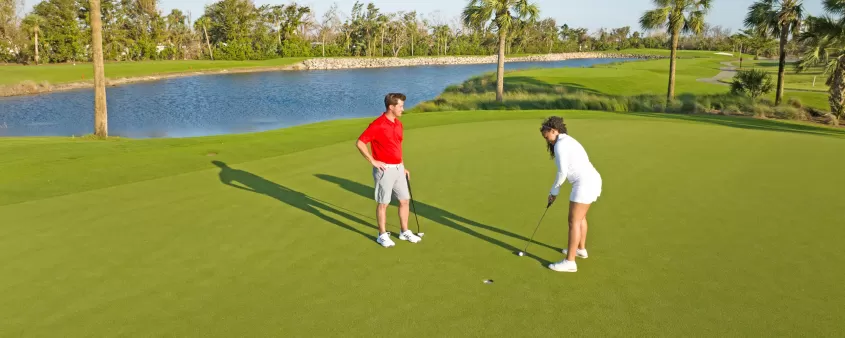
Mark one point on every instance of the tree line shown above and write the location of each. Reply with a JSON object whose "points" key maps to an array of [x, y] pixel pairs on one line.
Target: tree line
{"points": [[58, 31]]}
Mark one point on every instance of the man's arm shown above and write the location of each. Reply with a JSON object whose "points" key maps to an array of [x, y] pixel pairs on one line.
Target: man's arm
{"points": [[362, 147]]}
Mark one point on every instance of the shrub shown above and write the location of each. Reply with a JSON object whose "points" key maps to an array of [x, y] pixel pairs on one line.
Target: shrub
{"points": [[787, 112], [795, 103], [762, 110], [754, 82]]}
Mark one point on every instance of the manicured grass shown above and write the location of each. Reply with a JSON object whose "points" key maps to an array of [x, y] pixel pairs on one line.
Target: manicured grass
{"points": [[626, 79], [64, 73], [800, 81], [695, 233]]}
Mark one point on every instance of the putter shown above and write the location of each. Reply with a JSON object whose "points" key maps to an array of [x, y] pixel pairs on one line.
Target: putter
{"points": [[522, 253], [414, 207]]}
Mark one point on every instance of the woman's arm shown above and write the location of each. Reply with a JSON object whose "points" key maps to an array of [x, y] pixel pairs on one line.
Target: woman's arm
{"points": [[561, 160]]}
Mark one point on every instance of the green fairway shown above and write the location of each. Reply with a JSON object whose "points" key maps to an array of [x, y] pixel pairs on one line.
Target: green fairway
{"points": [[612, 80], [64, 73], [707, 225]]}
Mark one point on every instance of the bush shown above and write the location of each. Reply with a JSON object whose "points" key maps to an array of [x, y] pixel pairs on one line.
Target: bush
{"points": [[752, 82], [795, 103], [732, 110], [762, 110], [787, 112]]}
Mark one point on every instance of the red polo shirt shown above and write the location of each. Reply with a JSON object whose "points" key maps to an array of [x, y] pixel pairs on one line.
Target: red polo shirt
{"points": [[386, 137]]}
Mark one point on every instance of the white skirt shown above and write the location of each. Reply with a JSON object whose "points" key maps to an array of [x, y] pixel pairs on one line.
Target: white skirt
{"points": [[587, 190]]}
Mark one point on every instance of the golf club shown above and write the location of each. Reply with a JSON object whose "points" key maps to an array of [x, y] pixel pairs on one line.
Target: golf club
{"points": [[522, 253], [414, 207]]}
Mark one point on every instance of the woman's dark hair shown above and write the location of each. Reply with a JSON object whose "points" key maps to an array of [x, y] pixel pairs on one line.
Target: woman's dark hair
{"points": [[556, 123]]}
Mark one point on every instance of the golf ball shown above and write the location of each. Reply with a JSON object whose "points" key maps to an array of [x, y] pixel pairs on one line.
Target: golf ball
{"points": [[421, 234], [521, 254]]}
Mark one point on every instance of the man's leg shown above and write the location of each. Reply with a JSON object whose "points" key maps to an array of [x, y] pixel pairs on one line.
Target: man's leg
{"points": [[403, 194], [383, 187], [404, 212], [381, 217]]}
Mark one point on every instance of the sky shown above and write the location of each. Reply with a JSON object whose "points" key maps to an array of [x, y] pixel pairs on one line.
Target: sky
{"points": [[592, 14]]}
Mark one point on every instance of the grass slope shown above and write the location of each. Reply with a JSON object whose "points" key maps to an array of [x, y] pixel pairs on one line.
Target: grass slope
{"points": [[692, 236]]}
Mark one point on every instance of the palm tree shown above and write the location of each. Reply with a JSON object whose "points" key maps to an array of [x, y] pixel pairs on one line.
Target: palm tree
{"points": [[778, 18], [825, 36], [100, 117], [478, 12], [676, 16], [203, 22], [33, 23]]}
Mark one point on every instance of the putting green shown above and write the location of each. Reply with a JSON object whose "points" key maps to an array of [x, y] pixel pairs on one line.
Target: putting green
{"points": [[706, 226]]}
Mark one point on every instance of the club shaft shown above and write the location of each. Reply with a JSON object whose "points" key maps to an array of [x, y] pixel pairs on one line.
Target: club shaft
{"points": [[414, 207], [535, 231]]}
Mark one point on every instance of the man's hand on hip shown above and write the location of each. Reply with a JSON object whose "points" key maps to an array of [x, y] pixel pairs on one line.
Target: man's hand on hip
{"points": [[408, 174], [378, 165]]}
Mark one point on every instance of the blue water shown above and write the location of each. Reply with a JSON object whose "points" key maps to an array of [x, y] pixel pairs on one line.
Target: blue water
{"points": [[238, 103]]}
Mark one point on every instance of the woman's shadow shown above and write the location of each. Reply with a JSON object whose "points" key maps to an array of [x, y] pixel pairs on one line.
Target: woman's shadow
{"points": [[442, 216], [253, 183]]}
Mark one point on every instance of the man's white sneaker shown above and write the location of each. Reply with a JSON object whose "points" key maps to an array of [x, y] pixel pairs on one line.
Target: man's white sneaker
{"points": [[409, 236], [564, 266], [385, 241], [580, 253]]}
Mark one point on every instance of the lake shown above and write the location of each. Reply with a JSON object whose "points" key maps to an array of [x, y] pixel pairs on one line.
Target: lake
{"points": [[238, 103]]}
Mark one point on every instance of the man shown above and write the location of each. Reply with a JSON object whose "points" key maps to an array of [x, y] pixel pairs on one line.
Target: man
{"points": [[389, 173]]}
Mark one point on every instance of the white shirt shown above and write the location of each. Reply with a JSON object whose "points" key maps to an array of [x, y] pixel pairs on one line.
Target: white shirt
{"points": [[572, 161]]}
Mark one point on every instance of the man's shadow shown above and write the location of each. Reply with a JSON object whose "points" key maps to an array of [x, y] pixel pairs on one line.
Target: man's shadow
{"points": [[250, 182], [443, 217]]}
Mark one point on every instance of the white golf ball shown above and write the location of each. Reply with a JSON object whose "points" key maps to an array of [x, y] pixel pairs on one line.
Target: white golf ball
{"points": [[521, 254], [421, 234]]}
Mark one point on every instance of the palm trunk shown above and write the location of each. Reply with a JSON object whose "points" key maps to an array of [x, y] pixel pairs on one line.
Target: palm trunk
{"points": [[208, 43], [36, 46], [784, 37], [100, 114], [324, 46], [672, 64], [500, 69], [837, 91], [382, 42], [412, 44]]}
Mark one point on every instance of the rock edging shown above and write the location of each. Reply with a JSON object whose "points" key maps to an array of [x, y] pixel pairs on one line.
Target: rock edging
{"points": [[353, 63]]}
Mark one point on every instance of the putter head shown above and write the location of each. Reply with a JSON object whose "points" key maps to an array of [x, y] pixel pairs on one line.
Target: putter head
{"points": [[421, 234]]}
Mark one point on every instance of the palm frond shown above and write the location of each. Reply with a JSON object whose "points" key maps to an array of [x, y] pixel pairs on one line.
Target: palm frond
{"points": [[810, 59], [695, 23], [655, 18], [703, 5], [526, 11], [477, 13], [662, 3], [762, 16], [834, 6]]}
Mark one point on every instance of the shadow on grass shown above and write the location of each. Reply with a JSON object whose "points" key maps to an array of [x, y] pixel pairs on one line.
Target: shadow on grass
{"points": [[444, 217], [247, 181], [527, 83], [751, 123]]}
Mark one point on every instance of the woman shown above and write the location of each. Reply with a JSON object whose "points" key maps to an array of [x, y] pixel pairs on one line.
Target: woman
{"points": [[573, 165]]}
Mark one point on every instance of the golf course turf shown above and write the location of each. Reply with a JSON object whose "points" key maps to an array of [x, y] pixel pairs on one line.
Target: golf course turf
{"points": [[707, 226]]}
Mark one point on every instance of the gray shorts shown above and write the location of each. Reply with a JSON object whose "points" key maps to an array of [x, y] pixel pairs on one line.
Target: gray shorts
{"points": [[391, 180]]}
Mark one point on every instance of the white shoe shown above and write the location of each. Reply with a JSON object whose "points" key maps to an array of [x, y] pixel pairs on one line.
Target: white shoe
{"points": [[410, 237], [385, 241], [564, 266], [580, 253]]}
